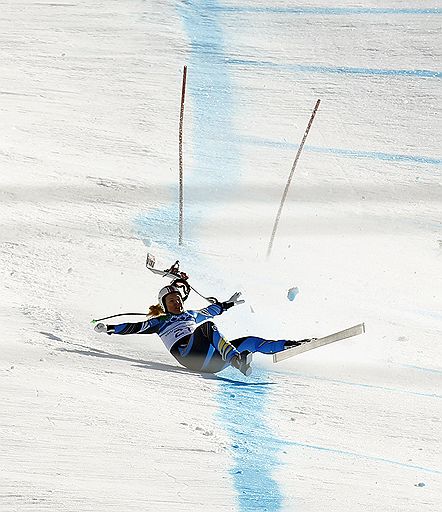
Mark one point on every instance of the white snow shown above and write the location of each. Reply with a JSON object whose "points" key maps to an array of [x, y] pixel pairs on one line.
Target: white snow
{"points": [[89, 104]]}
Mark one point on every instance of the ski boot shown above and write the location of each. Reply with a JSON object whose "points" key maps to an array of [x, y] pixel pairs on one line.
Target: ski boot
{"points": [[242, 362], [295, 343]]}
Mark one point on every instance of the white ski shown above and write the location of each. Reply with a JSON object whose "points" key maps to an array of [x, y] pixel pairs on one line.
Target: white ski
{"points": [[173, 272], [341, 335]]}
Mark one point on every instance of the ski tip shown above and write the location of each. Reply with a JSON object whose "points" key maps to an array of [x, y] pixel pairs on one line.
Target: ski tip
{"points": [[363, 327], [94, 321]]}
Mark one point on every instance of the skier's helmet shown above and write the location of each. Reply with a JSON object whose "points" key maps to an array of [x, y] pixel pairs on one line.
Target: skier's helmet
{"points": [[165, 291]]}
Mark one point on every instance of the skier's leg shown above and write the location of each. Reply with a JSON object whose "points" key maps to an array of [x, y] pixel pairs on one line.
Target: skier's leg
{"points": [[255, 344], [224, 353]]}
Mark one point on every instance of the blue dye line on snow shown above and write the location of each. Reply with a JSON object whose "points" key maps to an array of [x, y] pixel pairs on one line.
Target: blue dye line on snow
{"points": [[369, 386], [242, 407], [347, 153], [422, 369], [340, 70], [364, 456], [254, 447], [377, 155], [323, 11]]}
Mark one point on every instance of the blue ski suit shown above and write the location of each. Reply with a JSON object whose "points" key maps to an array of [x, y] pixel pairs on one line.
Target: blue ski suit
{"points": [[195, 342]]}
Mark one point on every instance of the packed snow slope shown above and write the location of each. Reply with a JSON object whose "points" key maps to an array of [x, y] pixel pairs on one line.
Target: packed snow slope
{"points": [[89, 102]]}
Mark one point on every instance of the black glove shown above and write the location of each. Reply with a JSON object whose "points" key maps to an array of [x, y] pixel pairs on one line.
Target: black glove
{"points": [[233, 301]]}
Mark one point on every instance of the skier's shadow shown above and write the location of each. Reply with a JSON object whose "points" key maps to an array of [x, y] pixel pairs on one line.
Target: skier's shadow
{"points": [[84, 350], [140, 363]]}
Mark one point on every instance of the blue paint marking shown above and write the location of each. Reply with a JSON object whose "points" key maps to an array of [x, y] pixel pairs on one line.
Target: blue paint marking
{"points": [[216, 154], [363, 385], [422, 369], [340, 70], [347, 153], [428, 313], [364, 456], [377, 155], [323, 11], [210, 87], [254, 446]]}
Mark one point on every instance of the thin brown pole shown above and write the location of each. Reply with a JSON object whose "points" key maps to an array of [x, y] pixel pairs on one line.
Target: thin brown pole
{"points": [[275, 226], [180, 158]]}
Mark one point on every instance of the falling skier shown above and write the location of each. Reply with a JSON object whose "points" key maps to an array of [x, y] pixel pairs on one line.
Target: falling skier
{"points": [[201, 347]]}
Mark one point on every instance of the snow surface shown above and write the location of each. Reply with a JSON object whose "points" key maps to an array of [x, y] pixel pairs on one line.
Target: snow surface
{"points": [[89, 101]]}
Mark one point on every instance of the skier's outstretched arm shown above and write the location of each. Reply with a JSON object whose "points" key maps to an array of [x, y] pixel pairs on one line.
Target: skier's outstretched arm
{"points": [[217, 308], [149, 327]]}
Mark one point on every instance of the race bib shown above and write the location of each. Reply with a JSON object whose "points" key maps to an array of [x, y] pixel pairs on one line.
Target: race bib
{"points": [[176, 331]]}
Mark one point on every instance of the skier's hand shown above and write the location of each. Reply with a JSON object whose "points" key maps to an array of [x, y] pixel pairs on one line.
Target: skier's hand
{"points": [[235, 299]]}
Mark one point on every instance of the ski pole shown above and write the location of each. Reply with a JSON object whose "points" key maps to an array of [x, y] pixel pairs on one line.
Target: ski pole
{"points": [[212, 300], [113, 316]]}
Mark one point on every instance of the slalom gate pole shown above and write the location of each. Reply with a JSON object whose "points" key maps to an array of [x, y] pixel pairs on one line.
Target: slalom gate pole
{"points": [[180, 159], [284, 196]]}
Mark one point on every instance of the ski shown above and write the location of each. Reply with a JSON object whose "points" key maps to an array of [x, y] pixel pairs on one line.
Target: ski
{"points": [[176, 275], [331, 338], [172, 272]]}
